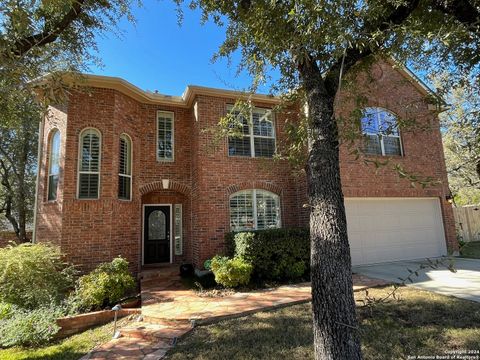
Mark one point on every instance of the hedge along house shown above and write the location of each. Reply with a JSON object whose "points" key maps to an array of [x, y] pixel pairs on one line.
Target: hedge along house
{"points": [[133, 173]]}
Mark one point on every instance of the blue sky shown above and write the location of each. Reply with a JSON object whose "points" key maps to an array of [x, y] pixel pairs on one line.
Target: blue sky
{"points": [[158, 54]]}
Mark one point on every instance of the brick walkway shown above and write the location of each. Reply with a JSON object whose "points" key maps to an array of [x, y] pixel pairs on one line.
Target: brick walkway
{"points": [[168, 310]]}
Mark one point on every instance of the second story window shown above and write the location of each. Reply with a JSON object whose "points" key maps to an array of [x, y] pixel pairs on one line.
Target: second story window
{"points": [[381, 134], [125, 168], [54, 165], [258, 135], [165, 138], [89, 164]]}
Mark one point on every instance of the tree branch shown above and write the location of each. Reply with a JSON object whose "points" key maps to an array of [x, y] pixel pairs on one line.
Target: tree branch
{"points": [[354, 54], [463, 11], [51, 31]]}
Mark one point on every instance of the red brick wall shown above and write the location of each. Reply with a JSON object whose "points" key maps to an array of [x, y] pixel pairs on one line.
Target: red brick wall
{"points": [[422, 144], [202, 177], [49, 214]]}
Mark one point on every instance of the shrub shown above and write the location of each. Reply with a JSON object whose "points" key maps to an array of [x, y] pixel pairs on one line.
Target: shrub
{"points": [[33, 275], [29, 327], [105, 285], [276, 254], [231, 272]]}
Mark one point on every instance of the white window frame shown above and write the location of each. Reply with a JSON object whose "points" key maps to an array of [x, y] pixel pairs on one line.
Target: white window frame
{"points": [[80, 155], [170, 114], [53, 132], [130, 155], [254, 193], [381, 135], [252, 136]]}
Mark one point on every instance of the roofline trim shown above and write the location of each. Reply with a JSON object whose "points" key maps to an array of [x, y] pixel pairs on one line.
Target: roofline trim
{"points": [[186, 100]]}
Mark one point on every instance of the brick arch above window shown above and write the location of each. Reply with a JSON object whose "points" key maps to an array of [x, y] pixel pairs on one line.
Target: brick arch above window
{"points": [[160, 185], [261, 185]]}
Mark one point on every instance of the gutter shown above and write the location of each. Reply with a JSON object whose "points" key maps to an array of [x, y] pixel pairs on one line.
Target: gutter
{"points": [[37, 182]]}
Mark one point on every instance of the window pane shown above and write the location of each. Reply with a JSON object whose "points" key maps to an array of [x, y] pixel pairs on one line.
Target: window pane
{"points": [[55, 154], [52, 187], [125, 157], [54, 166], [239, 146], [268, 211], [262, 124], [371, 145], [88, 186], [156, 225], [124, 187], [90, 151], [391, 145], [264, 147], [369, 121], [165, 137], [387, 122], [241, 212]]}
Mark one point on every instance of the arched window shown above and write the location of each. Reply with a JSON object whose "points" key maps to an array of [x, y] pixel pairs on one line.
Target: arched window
{"points": [[125, 168], [380, 128], [53, 165], [254, 210], [89, 164]]}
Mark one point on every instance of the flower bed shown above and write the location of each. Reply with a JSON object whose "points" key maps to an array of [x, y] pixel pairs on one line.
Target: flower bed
{"points": [[70, 325]]}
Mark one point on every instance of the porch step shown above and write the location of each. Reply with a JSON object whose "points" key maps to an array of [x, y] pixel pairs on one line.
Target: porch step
{"points": [[163, 272], [155, 332], [157, 320]]}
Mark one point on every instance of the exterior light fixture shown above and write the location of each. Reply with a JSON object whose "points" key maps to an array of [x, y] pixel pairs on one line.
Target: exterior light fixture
{"points": [[449, 198], [116, 333]]}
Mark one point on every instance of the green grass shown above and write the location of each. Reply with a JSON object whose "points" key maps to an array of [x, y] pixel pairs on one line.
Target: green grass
{"points": [[71, 348], [421, 323], [471, 250]]}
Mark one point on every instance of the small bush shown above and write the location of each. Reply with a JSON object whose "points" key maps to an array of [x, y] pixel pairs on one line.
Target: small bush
{"points": [[29, 327], [276, 254], [33, 275], [231, 272], [105, 285]]}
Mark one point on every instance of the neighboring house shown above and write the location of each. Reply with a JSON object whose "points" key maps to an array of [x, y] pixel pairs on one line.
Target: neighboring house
{"points": [[133, 173]]}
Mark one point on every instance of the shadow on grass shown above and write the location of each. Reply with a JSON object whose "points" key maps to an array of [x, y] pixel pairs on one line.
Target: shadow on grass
{"points": [[422, 323]]}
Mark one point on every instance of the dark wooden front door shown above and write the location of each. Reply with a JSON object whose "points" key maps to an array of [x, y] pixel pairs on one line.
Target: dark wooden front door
{"points": [[156, 234]]}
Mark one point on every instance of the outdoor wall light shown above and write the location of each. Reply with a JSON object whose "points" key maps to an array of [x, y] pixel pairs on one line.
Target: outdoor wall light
{"points": [[449, 198]]}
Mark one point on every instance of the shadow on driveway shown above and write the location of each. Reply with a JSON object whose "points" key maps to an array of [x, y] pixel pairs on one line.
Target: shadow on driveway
{"points": [[465, 283]]}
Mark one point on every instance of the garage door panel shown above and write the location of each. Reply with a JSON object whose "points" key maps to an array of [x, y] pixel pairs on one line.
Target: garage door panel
{"points": [[384, 229]]}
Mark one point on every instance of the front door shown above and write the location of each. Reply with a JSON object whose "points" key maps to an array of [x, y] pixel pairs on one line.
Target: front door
{"points": [[156, 234]]}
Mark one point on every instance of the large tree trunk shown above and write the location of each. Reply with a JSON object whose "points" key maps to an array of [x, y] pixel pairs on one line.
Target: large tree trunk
{"points": [[334, 318]]}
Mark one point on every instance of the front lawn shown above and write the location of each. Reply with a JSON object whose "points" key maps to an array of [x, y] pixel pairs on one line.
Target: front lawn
{"points": [[422, 323], [471, 250], [71, 348]]}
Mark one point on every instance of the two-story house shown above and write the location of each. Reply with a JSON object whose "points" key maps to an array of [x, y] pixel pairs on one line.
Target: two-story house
{"points": [[127, 172]]}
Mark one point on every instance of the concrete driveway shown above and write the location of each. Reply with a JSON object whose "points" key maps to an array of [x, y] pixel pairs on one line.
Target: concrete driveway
{"points": [[465, 283]]}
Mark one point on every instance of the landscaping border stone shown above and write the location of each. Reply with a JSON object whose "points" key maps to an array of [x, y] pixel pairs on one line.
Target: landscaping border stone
{"points": [[71, 325]]}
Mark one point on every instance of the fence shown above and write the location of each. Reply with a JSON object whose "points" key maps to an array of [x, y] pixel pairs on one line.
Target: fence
{"points": [[467, 222]]}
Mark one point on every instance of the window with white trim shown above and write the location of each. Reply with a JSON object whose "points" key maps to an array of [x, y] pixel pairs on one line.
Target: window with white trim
{"points": [[125, 168], [53, 165], [89, 164], [381, 134], [258, 134], [165, 136], [254, 210]]}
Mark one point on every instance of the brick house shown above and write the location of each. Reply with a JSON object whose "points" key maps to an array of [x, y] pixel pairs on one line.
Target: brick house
{"points": [[133, 173]]}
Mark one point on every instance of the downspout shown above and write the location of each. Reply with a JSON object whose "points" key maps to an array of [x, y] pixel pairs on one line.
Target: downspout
{"points": [[37, 182]]}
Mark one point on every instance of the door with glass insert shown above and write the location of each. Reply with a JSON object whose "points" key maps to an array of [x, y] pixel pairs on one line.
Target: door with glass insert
{"points": [[156, 234]]}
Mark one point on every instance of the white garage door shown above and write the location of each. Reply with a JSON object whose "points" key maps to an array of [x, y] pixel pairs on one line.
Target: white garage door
{"points": [[389, 229]]}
